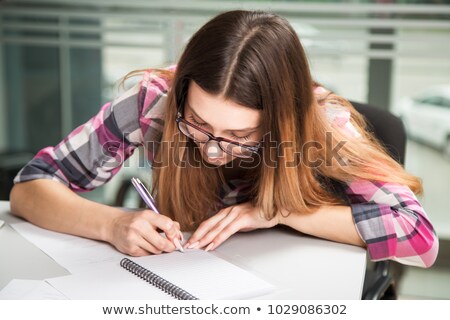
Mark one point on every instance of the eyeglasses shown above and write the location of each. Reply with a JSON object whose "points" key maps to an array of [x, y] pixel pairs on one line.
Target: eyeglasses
{"points": [[201, 136]]}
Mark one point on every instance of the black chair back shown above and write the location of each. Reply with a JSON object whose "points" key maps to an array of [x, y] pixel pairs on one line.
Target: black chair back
{"points": [[379, 282], [388, 128]]}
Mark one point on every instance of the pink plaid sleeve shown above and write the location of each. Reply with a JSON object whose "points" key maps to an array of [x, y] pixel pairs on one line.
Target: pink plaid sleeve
{"points": [[392, 223], [152, 98], [388, 217], [95, 151]]}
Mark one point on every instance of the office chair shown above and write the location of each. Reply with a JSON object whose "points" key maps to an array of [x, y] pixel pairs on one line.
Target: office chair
{"points": [[379, 281]]}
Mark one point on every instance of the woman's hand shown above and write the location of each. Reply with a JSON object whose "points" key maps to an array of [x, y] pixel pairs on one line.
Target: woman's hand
{"points": [[135, 233], [215, 230]]}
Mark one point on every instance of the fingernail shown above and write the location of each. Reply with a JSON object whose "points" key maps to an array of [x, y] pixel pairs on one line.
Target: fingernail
{"points": [[193, 246], [210, 246], [177, 244]]}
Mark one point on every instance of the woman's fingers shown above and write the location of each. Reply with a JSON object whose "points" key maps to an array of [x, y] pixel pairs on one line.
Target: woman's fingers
{"points": [[205, 227], [158, 241], [167, 225], [212, 233], [144, 248], [136, 233], [140, 235], [224, 234], [170, 228]]}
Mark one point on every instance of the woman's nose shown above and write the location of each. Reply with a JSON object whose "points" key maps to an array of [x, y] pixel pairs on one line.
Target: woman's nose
{"points": [[213, 149]]}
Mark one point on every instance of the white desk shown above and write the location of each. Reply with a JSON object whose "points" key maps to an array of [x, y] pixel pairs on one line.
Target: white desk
{"points": [[300, 267]]}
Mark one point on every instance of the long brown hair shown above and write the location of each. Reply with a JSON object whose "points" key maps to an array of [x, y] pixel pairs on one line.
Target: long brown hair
{"points": [[255, 59]]}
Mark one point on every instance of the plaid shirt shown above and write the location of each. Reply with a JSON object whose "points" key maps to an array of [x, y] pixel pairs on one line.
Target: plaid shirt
{"points": [[388, 216]]}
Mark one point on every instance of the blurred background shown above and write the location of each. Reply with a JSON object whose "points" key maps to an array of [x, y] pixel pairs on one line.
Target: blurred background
{"points": [[60, 60]]}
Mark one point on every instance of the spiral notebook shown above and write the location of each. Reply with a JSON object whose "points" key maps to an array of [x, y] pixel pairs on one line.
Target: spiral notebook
{"points": [[195, 274]]}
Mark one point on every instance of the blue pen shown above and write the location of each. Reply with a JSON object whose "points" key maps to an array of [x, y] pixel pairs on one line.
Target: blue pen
{"points": [[148, 199]]}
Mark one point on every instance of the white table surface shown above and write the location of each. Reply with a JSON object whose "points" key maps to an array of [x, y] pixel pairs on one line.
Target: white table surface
{"points": [[300, 267]]}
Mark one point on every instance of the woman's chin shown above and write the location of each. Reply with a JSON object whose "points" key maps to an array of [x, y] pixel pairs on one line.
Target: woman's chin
{"points": [[216, 161]]}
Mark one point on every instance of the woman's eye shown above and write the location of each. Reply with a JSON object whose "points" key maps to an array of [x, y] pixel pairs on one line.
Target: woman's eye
{"points": [[245, 138], [198, 124]]}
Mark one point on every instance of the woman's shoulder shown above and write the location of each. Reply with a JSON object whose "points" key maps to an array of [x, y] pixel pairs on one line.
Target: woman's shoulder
{"points": [[333, 104], [158, 80], [336, 109], [147, 85], [155, 85], [139, 111]]}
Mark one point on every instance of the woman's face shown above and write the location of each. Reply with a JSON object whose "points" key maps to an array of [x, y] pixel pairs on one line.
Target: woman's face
{"points": [[221, 118]]}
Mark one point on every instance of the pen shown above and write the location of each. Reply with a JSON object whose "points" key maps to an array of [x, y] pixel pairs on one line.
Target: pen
{"points": [[148, 199]]}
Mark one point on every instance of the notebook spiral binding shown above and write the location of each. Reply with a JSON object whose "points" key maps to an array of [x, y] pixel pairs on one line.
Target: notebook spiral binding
{"points": [[156, 280]]}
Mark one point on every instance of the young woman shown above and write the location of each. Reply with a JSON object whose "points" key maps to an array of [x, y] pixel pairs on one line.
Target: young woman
{"points": [[240, 138]]}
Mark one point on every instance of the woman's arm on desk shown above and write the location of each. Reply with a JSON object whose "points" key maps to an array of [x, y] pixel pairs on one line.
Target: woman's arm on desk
{"points": [[51, 205], [384, 217], [333, 223], [46, 188]]}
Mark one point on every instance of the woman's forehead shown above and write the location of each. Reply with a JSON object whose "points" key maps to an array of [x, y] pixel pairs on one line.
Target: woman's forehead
{"points": [[217, 111]]}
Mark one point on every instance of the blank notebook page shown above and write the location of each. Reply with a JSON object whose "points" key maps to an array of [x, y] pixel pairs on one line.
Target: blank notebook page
{"points": [[205, 276], [198, 272]]}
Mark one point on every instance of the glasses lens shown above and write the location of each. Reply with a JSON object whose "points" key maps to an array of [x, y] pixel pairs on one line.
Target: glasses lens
{"points": [[235, 150], [230, 148], [192, 133]]}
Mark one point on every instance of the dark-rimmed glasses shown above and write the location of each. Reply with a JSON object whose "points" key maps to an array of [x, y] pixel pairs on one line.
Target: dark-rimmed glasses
{"points": [[226, 145]]}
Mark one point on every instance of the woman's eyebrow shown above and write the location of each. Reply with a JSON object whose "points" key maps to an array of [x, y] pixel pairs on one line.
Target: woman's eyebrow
{"points": [[195, 113], [234, 130]]}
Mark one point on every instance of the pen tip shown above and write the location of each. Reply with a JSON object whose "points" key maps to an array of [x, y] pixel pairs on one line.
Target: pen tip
{"points": [[178, 245]]}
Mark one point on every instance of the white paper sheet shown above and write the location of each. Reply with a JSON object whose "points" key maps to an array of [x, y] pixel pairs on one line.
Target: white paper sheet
{"points": [[76, 254], [200, 273], [18, 289]]}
